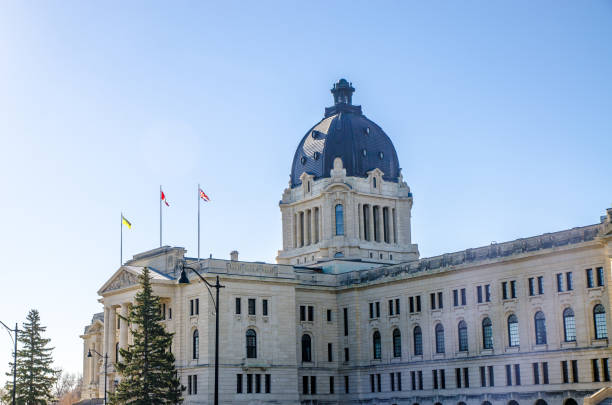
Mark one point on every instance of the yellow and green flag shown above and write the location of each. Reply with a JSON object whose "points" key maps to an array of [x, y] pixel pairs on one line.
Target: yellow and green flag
{"points": [[125, 222]]}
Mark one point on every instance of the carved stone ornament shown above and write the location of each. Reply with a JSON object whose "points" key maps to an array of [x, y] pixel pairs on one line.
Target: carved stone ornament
{"points": [[125, 279]]}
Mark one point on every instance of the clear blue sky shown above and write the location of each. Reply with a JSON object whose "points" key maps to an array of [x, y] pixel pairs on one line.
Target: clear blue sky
{"points": [[500, 113]]}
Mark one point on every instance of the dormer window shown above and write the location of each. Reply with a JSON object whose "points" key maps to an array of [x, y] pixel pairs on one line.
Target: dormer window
{"points": [[316, 155], [303, 160], [374, 182], [381, 155], [367, 130], [364, 152], [308, 185]]}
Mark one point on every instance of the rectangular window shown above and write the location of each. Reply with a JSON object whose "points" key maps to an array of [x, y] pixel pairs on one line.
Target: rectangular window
{"points": [[595, 370], [513, 289], [432, 300], [559, 282], [564, 372], [413, 380], [346, 354], [238, 306], [331, 384], [392, 381], [378, 382], [169, 313], [345, 313], [302, 313], [191, 307], [391, 312], [268, 383], [305, 385], [442, 379], [487, 292], [189, 385], [440, 302], [310, 313], [420, 375], [238, 383], [466, 378], [257, 383], [377, 309], [163, 314], [371, 310], [434, 376], [491, 377], [531, 286], [483, 377], [589, 277], [329, 315], [600, 276], [540, 285], [397, 306], [458, 377], [411, 304], [463, 297], [536, 373], [479, 294], [399, 381], [508, 374], [418, 303], [517, 374], [264, 307], [251, 306], [329, 352], [195, 384], [249, 383], [197, 306], [605, 369], [346, 384], [545, 372], [504, 290], [569, 282], [455, 298], [313, 385], [575, 371]]}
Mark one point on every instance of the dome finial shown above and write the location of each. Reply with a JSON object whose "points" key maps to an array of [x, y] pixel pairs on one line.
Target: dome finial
{"points": [[343, 92]]}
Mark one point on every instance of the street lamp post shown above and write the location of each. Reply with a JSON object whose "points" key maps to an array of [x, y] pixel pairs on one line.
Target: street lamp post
{"points": [[184, 280], [105, 357], [16, 330]]}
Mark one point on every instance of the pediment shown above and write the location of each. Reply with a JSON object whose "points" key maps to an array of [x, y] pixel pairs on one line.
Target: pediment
{"points": [[126, 276]]}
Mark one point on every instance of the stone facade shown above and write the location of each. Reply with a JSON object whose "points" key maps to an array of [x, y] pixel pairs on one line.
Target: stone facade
{"points": [[351, 315]]}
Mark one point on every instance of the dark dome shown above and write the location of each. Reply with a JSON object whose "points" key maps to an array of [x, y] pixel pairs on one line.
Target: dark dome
{"points": [[346, 133]]}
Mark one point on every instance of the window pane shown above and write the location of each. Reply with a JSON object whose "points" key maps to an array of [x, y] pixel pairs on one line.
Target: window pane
{"points": [[339, 220]]}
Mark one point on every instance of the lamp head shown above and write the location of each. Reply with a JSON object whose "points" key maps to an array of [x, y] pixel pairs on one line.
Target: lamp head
{"points": [[183, 279]]}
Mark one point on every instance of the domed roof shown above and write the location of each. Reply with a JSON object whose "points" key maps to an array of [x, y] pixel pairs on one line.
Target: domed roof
{"points": [[346, 133]]}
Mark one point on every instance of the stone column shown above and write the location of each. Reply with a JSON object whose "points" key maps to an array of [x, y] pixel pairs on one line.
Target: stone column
{"points": [[390, 219], [313, 224], [106, 330], [123, 330], [307, 223], [299, 229], [359, 215], [112, 327], [381, 225], [371, 223]]}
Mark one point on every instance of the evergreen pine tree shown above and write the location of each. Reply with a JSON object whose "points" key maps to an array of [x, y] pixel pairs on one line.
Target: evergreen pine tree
{"points": [[35, 376], [147, 368]]}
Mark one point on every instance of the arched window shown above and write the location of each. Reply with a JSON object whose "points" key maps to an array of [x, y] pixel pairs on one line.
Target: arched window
{"points": [[117, 352], [397, 343], [461, 403], [306, 348], [195, 350], [339, 219], [376, 344], [251, 344], [569, 325], [513, 402], [570, 401], [487, 333], [599, 317], [439, 338], [513, 331], [463, 336], [541, 402], [486, 403], [540, 328], [418, 341]]}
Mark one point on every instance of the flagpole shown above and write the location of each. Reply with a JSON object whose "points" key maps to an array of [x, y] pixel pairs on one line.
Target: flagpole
{"points": [[198, 222], [160, 217], [121, 250]]}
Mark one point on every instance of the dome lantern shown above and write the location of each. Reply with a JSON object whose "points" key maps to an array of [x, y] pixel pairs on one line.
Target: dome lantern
{"points": [[343, 92]]}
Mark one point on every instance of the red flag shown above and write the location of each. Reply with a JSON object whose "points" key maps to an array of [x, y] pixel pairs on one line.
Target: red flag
{"points": [[203, 196], [163, 198]]}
